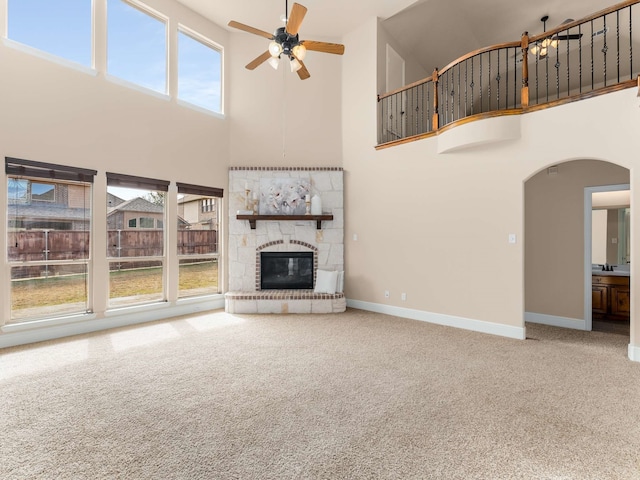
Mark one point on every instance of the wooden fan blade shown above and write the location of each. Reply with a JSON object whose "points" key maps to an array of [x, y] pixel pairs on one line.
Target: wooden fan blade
{"points": [[295, 18], [303, 73], [325, 47], [259, 60], [247, 28]]}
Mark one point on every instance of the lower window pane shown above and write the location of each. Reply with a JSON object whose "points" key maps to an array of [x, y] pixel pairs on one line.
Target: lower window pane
{"points": [[45, 291], [198, 276], [134, 283]]}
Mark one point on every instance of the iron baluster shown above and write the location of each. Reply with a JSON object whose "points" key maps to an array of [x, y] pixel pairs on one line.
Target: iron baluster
{"points": [[489, 84], [592, 58], [472, 85], [481, 105], [604, 51], [498, 83], [618, 44], [580, 58], [557, 66], [630, 42], [459, 98], [466, 84], [568, 69]]}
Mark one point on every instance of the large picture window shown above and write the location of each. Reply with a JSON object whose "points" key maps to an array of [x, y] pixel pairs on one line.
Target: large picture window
{"points": [[48, 239], [61, 27], [135, 239], [198, 237], [199, 71], [137, 45]]}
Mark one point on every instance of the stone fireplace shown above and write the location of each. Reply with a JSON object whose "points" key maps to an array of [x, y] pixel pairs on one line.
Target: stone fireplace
{"points": [[284, 244]]}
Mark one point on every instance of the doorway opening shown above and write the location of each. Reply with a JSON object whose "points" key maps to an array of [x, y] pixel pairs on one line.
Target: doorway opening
{"points": [[607, 258]]}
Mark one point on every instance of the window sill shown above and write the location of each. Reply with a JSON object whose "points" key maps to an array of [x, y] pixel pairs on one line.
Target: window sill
{"points": [[48, 322], [49, 57]]}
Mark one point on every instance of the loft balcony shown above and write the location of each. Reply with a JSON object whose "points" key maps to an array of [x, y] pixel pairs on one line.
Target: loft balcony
{"points": [[577, 60]]}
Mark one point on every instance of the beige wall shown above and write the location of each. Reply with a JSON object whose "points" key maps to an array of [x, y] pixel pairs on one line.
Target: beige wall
{"points": [[436, 225], [554, 229], [52, 113], [278, 119]]}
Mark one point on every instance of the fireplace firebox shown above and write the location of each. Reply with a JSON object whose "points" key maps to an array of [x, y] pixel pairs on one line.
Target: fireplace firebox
{"points": [[286, 270]]}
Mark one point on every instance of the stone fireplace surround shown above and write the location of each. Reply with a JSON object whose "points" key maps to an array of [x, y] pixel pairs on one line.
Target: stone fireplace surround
{"points": [[245, 244]]}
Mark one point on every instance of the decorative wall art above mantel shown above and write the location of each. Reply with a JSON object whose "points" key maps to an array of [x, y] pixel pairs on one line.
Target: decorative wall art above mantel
{"points": [[283, 196]]}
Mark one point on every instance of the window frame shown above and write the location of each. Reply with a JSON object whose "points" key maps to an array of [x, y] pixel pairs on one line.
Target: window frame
{"points": [[218, 194], [155, 14], [54, 57], [206, 41], [32, 171]]}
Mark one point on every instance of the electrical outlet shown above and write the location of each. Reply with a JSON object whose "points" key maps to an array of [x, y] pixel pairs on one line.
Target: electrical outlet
{"points": [[403, 296], [386, 294]]}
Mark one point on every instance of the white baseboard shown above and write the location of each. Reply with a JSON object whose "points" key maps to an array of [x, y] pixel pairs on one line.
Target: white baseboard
{"points": [[77, 325], [634, 353], [555, 321], [441, 319]]}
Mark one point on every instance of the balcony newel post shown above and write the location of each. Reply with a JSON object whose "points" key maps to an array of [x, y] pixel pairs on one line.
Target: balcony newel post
{"points": [[524, 44], [435, 99]]}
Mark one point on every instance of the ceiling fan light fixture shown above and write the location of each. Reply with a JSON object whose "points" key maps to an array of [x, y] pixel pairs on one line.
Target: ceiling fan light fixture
{"points": [[300, 51], [274, 62], [295, 64], [534, 49], [275, 49]]}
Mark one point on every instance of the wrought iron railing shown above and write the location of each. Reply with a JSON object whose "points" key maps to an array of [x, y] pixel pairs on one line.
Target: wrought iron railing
{"points": [[576, 60]]}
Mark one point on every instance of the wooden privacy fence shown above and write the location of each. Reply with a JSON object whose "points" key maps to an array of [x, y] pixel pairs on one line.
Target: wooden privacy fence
{"points": [[59, 246]]}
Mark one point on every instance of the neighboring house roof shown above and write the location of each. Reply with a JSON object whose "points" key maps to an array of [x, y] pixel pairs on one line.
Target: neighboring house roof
{"points": [[113, 200], [60, 212], [137, 204]]}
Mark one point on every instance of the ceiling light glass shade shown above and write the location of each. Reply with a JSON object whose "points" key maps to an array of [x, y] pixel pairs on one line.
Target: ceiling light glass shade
{"points": [[274, 62], [300, 51], [534, 49], [275, 49], [543, 52], [546, 42], [554, 43], [295, 64]]}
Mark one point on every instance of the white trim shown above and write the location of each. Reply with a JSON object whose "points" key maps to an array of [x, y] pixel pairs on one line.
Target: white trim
{"points": [[555, 321], [509, 331], [588, 321], [36, 52], [137, 87], [115, 319], [634, 353], [198, 108]]}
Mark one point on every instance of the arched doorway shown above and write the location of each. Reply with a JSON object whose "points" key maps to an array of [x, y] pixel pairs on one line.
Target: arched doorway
{"points": [[556, 268]]}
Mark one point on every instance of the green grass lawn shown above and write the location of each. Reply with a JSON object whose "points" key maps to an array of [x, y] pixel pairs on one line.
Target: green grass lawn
{"points": [[43, 292]]}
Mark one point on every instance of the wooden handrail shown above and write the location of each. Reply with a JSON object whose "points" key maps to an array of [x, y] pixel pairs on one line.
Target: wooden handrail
{"points": [[525, 42]]}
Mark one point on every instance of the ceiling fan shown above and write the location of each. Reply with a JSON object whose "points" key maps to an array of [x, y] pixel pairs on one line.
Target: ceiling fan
{"points": [[286, 42], [541, 47]]}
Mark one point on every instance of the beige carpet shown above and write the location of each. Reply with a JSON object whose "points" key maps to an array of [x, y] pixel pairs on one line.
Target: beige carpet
{"points": [[346, 396]]}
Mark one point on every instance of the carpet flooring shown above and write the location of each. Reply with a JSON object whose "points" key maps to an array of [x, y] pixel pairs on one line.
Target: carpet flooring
{"points": [[344, 396]]}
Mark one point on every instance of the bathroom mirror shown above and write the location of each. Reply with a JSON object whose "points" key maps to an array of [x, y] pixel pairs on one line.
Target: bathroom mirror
{"points": [[610, 237]]}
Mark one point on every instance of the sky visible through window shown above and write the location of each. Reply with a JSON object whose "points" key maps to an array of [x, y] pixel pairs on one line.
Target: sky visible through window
{"points": [[136, 45], [61, 27], [199, 73]]}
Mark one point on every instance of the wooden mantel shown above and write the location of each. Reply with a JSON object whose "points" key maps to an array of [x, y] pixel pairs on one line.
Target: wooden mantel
{"points": [[253, 218]]}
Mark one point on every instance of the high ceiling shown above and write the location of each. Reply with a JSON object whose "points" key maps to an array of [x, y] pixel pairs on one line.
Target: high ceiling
{"points": [[434, 31]]}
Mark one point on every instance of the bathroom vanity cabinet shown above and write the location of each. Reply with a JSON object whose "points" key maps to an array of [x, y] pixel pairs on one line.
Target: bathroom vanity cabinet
{"points": [[610, 297]]}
